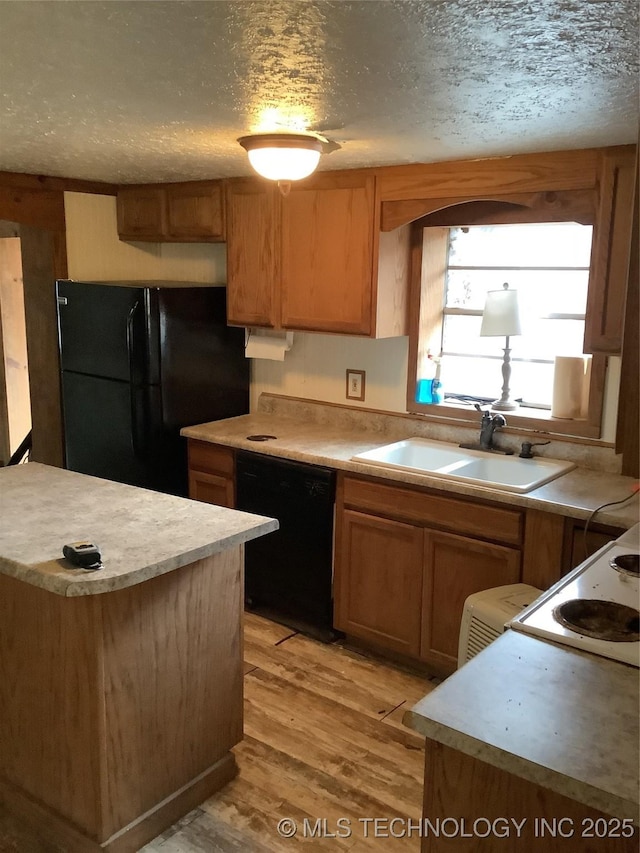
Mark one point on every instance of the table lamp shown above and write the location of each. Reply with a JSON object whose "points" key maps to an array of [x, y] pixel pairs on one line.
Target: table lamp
{"points": [[501, 317]]}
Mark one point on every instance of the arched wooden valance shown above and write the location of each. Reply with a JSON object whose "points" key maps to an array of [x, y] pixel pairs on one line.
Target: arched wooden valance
{"points": [[548, 206]]}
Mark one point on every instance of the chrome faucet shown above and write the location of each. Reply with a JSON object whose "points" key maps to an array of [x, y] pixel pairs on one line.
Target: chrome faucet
{"points": [[488, 425]]}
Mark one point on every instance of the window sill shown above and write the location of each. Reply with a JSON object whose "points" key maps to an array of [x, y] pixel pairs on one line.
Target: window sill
{"points": [[534, 420]]}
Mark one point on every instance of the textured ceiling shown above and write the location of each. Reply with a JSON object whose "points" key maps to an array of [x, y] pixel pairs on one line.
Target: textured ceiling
{"points": [[160, 91]]}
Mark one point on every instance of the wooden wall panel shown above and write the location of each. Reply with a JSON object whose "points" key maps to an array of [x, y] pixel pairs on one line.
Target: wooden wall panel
{"points": [[35, 206], [628, 429], [42, 263], [22, 180], [40, 208]]}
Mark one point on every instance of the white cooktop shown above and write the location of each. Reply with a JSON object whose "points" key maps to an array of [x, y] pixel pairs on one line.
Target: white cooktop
{"points": [[593, 579]]}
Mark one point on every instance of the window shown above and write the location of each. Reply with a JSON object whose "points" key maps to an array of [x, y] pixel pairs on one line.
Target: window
{"points": [[548, 265]]}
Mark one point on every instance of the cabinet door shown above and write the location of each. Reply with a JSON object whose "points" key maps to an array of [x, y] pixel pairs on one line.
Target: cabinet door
{"points": [[141, 213], [253, 254], [195, 212], [211, 473], [327, 255], [378, 581], [610, 254], [211, 489], [454, 568]]}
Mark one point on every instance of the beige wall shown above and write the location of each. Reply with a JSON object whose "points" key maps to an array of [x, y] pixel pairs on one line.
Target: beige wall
{"points": [[315, 366], [95, 253]]}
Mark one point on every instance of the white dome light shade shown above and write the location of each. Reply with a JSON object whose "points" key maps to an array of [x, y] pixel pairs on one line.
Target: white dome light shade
{"points": [[282, 156]]}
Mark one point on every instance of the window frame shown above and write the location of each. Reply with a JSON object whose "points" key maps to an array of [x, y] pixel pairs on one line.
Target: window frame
{"points": [[426, 298]]}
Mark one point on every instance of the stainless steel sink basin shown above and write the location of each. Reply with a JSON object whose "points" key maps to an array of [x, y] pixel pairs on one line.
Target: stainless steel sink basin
{"points": [[449, 462]]}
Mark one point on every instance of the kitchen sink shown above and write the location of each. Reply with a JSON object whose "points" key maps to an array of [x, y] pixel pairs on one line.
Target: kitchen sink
{"points": [[450, 462]]}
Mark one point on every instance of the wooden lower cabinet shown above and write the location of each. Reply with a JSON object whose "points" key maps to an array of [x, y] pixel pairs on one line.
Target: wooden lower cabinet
{"points": [[211, 473], [211, 489], [378, 591], [454, 568], [462, 793], [400, 584]]}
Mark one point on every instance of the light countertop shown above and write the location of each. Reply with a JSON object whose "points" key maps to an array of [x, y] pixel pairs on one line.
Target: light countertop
{"points": [[575, 494], [140, 533], [561, 718]]}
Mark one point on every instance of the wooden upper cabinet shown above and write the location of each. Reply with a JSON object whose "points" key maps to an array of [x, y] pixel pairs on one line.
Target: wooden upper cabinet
{"points": [[314, 260], [253, 253], [191, 212], [195, 212], [610, 252], [141, 213], [327, 255]]}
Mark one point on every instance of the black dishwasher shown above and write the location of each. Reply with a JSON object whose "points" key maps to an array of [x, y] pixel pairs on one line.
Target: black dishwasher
{"points": [[288, 574]]}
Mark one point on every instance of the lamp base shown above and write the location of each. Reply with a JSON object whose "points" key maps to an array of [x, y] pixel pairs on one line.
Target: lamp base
{"points": [[505, 405]]}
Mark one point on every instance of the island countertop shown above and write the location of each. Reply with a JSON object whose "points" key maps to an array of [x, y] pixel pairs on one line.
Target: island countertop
{"points": [[564, 719], [141, 534]]}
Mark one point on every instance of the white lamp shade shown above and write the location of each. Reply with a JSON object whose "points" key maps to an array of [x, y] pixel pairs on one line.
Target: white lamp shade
{"points": [[282, 157], [501, 314]]}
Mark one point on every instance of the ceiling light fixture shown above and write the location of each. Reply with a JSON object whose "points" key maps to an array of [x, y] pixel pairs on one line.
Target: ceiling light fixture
{"points": [[283, 157]]}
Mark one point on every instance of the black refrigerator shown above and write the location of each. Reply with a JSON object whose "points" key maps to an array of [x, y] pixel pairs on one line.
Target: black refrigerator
{"points": [[139, 361]]}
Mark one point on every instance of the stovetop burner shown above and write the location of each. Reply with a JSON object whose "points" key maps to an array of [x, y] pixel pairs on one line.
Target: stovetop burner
{"points": [[593, 608], [602, 620], [626, 564]]}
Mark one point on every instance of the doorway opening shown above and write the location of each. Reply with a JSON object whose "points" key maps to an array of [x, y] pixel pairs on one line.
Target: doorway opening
{"points": [[15, 398]]}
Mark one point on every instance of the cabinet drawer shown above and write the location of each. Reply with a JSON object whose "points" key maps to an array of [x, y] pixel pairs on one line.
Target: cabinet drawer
{"points": [[211, 458], [454, 514]]}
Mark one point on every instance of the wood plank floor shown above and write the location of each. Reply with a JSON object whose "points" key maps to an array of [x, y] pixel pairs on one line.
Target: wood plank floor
{"points": [[323, 741]]}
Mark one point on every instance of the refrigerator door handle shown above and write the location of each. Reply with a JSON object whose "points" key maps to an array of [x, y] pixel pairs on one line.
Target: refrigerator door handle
{"points": [[135, 440]]}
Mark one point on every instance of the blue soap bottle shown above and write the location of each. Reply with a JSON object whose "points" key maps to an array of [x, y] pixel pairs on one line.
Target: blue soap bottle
{"points": [[423, 391]]}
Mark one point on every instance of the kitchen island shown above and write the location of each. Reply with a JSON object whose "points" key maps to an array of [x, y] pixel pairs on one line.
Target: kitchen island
{"points": [[121, 688]]}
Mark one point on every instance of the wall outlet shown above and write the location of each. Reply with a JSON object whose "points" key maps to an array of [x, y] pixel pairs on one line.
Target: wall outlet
{"points": [[355, 384]]}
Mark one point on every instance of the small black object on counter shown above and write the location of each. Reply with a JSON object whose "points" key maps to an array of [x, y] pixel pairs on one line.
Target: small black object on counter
{"points": [[83, 555]]}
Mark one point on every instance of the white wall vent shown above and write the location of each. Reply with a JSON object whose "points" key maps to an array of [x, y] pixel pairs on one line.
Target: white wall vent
{"points": [[485, 614]]}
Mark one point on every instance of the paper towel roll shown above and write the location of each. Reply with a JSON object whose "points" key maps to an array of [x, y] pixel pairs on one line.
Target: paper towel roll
{"points": [[586, 387], [570, 386], [271, 346]]}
